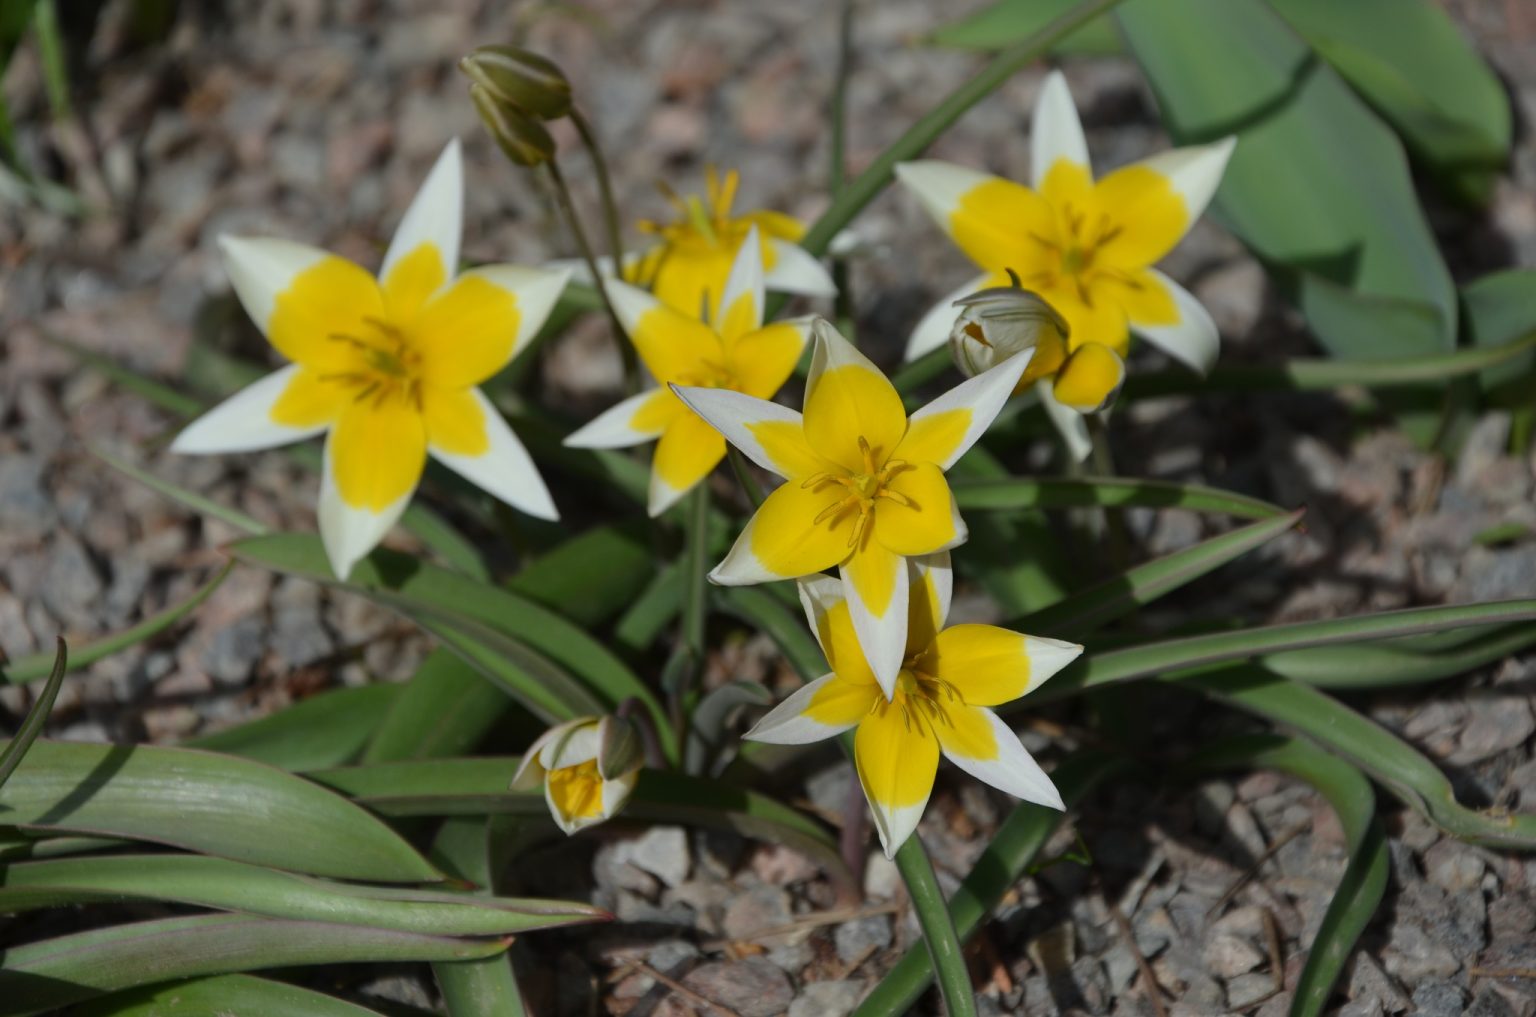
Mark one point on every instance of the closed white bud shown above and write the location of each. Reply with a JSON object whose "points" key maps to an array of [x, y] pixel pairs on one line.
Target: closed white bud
{"points": [[997, 323]]}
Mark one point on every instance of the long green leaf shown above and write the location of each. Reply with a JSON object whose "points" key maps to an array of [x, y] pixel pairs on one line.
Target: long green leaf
{"points": [[1114, 492], [1411, 63], [1496, 310], [37, 716], [444, 710], [1390, 761], [1162, 658], [34, 666], [1318, 187], [459, 787], [56, 972], [523, 673], [328, 729], [1119, 596], [591, 577], [1359, 892], [1011, 851], [225, 996], [213, 804], [1378, 665], [225, 885], [427, 593], [1007, 22]]}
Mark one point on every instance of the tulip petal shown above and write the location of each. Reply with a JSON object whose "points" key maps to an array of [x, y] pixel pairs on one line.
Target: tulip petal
{"points": [[477, 325], [849, 404], [504, 470], [245, 421], [989, 665], [740, 307], [996, 222], [933, 329], [875, 581], [640, 418], [897, 762], [1056, 133], [793, 269], [782, 540], [978, 742], [946, 428], [1069, 422], [1090, 379], [1194, 172], [826, 609], [570, 744], [932, 583], [300, 296], [689, 449], [922, 517], [424, 252], [770, 435], [1193, 339], [675, 346], [827, 706], [763, 360], [375, 460]]}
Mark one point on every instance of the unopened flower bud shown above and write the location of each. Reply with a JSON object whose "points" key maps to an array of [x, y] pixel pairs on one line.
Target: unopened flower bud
{"points": [[587, 767], [522, 138], [1002, 321], [519, 78]]}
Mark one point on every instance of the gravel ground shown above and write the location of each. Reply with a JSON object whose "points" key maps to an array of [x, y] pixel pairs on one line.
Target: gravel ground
{"points": [[316, 121]]}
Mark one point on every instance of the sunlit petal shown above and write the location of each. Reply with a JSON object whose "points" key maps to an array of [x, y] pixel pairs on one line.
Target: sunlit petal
{"points": [[978, 742], [674, 346], [349, 531], [989, 665], [875, 582], [740, 307], [245, 421], [770, 435], [849, 404], [946, 428], [826, 609], [432, 224], [897, 761], [784, 541], [638, 419], [1068, 422], [920, 516], [793, 269], [689, 449], [827, 706], [504, 470], [763, 360], [1056, 133], [1192, 338]]}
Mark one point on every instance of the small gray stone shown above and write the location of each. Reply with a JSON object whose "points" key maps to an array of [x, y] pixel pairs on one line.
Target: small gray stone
{"points": [[827, 999], [1496, 723], [758, 910], [26, 511], [669, 953], [1454, 866], [235, 650], [882, 880], [1438, 999], [1490, 1004], [1247, 989], [71, 586], [1230, 956], [862, 936], [663, 852], [1366, 1007], [753, 987]]}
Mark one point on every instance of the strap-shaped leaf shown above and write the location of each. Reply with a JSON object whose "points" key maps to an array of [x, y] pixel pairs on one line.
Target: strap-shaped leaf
{"points": [[209, 803], [327, 729], [444, 710], [225, 995], [37, 716], [42, 976], [1111, 492]]}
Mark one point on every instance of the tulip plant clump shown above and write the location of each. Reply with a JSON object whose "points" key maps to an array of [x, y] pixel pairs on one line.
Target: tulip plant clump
{"points": [[761, 475]]}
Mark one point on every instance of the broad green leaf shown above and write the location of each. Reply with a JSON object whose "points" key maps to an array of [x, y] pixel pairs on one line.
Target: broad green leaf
{"points": [[1120, 595], [467, 613], [1010, 21], [1497, 310], [444, 710], [591, 577], [1359, 893], [56, 972], [212, 804], [225, 996], [1387, 759], [1318, 186], [37, 716], [36, 665], [1411, 63], [460, 787], [1010, 853], [475, 987], [327, 729], [1115, 492], [225, 885]]}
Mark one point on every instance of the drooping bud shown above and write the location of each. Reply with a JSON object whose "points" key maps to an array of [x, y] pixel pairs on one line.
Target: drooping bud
{"points": [[619, 748], [997, 323], [587, 768], [516, 77], [521, 138]]}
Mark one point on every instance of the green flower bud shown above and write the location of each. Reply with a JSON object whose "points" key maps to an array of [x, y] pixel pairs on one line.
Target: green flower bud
{"points": [[522, 138], [516, 77]]}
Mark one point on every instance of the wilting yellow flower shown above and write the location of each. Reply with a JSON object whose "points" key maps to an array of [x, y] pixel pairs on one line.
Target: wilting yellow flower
{"points": [[733, 351], [865, 486], [385, 367], [1086, 247], [695, 252], [588, 768], [949, 678]]}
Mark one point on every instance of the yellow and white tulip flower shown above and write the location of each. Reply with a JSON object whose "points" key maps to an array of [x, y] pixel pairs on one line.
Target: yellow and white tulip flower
{"points": [[386, 367], [732, 351], [865, 485], [587, 767], [948, 680], [1087, 247], [693, 255]]}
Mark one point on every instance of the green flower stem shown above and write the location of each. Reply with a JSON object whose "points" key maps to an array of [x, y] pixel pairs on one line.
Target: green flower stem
{"points": [[837, 147], [611, 220], [620, 335], [938, 928], [863, 189], [695, 595]]}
